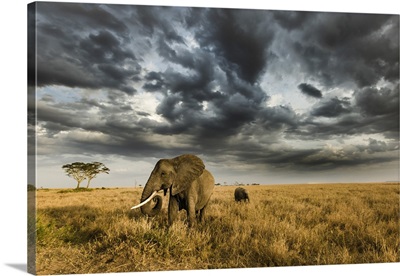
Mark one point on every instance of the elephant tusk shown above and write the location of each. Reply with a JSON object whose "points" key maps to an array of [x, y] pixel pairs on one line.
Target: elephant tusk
{"points": [[144, 202]]}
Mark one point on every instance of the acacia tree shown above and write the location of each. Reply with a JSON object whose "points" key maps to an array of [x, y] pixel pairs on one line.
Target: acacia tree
{"points": [[81, 171], [77, 171], [93, 169]]}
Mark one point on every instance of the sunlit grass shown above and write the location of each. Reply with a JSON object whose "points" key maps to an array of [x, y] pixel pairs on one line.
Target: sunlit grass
{"points": [[283, 225]]}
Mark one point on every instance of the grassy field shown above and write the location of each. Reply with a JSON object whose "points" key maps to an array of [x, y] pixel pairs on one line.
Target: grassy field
{"points": [[95, 231]]}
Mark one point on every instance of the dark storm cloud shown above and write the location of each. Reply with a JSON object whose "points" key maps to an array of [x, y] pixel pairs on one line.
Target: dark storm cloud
{"points": [[309, 90], [333, 107], [78, 16], [117, 129], [340, 47], [151, 23], [195, 84], [315, 159], [240, 38], [103, 47], [369, 111], [380, 110], [329, 161], [211, 80], [378, 102], [278, 118], [234, 112], [206, 69], [85, 52], [292, 20], [154, 82], [350, 125]]}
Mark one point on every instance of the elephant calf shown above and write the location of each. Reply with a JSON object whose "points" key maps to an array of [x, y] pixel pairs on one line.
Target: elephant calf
{"points": [[241, 194]]}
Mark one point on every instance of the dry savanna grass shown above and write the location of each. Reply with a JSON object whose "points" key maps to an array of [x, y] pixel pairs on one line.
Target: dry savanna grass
{"points": [[94, 231]]}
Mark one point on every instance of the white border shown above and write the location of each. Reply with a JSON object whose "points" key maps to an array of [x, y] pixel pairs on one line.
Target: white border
{"points": [[13, 130]]}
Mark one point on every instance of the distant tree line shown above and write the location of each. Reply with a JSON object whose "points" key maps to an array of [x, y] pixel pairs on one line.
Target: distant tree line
{"points": [[235, 184], [81, 171]]}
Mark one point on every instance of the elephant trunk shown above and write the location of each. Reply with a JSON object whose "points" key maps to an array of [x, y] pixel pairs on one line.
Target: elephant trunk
{"points": [[148, 208]]}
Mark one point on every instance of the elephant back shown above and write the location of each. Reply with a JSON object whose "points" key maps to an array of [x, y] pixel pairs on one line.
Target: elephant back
{"points": [[241, 194]]}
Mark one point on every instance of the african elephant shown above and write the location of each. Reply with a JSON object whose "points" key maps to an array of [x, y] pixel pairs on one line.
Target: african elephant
{"points": [[190, 187], [241, 194]]}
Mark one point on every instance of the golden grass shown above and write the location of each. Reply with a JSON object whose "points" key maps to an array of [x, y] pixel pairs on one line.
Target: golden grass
{"points": [[283, 225]]}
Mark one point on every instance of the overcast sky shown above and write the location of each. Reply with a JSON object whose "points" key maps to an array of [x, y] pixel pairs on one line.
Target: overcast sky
{"points": [[261, 96]]}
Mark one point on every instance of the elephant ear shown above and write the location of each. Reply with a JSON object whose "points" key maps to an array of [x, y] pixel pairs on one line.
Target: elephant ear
{"points": [[188, 167]]}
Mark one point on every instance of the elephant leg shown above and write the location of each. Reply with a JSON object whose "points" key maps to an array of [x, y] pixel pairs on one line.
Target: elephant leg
{"points": [[173, 208], [202, 213], [191, 213]]}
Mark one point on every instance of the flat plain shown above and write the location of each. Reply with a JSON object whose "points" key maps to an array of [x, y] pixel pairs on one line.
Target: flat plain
{"points": [[94, 230]]}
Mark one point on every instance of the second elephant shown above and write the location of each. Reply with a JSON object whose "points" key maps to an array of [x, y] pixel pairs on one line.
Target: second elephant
{"points": [[241, 194]]}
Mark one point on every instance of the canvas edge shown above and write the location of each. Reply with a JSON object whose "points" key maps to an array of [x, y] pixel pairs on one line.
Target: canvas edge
{"points": [[31, 138]]}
